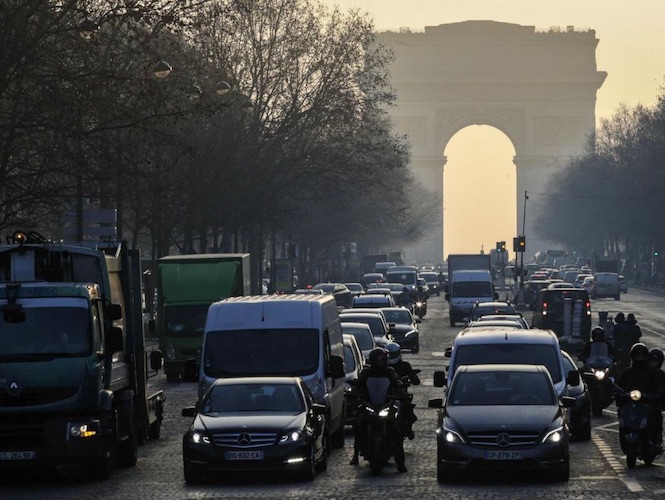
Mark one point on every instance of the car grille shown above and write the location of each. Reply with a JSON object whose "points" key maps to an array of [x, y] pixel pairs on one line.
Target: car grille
{"points": [[32, 396], [503, 439], [244, 439]]}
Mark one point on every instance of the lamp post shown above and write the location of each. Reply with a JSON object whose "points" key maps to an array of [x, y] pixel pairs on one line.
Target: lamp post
{"points": [[526, 197]]}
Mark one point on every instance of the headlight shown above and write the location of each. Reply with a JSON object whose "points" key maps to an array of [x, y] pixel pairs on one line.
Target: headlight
{"points": [[79, 430], [554, 436], [384, 412], [292, 437], [600, 374], [370, 410], [452, 436], [635, 395], [198, 438]]}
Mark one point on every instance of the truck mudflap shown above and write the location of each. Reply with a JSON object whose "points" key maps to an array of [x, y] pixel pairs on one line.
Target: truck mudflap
{"points": [[33, 441], [155, 414]]}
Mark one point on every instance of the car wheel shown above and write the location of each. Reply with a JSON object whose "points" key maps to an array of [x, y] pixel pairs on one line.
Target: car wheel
{"points": [[191, 476], [323, 463], [100, 470], [452, 322], [596, 409], [309, 469], [416, 349], [563, 473], [584, 434], [631, 460], [337, 438]]}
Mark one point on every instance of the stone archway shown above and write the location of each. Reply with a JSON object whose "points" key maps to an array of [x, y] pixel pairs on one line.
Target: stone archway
{"points": [[538, 88]]}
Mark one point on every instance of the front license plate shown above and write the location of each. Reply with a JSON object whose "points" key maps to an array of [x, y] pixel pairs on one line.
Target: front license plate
{"points": [[243, 455], [503, 455], [17, 455]]}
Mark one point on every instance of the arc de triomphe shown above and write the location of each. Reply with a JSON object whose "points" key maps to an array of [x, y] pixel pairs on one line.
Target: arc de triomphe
{"points": [[538, 88]]}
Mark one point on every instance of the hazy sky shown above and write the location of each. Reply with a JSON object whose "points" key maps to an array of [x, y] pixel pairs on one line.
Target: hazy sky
{"points": [[631, 50]]}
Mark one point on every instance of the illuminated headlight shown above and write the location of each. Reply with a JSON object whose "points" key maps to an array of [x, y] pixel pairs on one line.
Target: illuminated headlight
{"points": [[554, 436], [419, 304], [451, 436], [198, 438], [79, 430], [635, 395], [370, 410], [384, 412], [292, 437], [600, 374]]}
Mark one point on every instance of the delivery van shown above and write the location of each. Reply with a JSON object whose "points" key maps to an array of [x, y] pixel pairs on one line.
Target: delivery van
{"points": [[466, 287], [279, 335]]}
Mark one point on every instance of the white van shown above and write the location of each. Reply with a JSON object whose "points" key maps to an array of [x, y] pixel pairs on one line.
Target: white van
{"points": [[466, 287], [406, 275], [279, 335]]}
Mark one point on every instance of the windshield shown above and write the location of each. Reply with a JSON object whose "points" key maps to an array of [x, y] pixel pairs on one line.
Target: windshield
{"points": [[63, 328], [270, 351], [406, 278], [399, 316], [253, 397], [533, 354], [472, 289], [185, 320], [374, 322], [501, 388]]}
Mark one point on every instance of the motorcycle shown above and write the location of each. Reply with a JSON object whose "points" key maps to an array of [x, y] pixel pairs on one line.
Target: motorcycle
{"points": [[635, 426], [380, 423], [599, 370], [420, 308]]}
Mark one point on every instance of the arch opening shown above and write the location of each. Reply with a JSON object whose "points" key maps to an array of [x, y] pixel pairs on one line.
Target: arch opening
{"points": [[479, 190]]}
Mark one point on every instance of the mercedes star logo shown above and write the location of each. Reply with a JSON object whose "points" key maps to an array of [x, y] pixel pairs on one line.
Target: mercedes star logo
{"points": [[244, 439], [503, 440], [14, 388]]}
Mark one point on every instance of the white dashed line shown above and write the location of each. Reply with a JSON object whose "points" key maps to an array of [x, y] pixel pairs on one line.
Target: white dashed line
{"points": [[616, 465]]}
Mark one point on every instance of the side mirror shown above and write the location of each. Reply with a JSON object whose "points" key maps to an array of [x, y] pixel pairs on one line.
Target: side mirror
{"points": [[336, 367], [319, 409], [439, 379], [447, 296], [573, 377], [156, 360], [113, 341], [113, 312], [189, 411], [448, 352], [568, 402], [435, 403], [418, 320], [191, 371]]}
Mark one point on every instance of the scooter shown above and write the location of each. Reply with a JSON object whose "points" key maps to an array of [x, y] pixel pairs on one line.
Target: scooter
{"points": [[635, 415], [598, 372], [420, 308]]}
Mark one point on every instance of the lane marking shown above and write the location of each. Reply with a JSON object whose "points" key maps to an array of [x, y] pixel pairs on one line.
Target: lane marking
{"points": [[438, 354], [616, 465]]}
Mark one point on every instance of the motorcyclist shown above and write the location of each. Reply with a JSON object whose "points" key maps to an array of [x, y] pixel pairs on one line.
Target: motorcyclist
{"points": [[638, 376], [421, 295], [622, 340], [403, 369], [378, 367], [598, 351], [404, 298], [656, 363]]}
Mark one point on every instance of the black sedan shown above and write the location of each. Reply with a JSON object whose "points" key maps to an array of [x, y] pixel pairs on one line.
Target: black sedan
{"points": [[502, 418], [403, 327], [339, 290], [579, 416], [258, 423]]}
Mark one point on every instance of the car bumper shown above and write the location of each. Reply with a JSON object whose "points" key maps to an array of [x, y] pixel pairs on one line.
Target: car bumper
{"points": [[205, 459], [408, 342], [580, 415], [464, 457]]}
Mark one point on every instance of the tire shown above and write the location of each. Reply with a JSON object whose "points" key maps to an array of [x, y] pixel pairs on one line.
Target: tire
{"points": [[648, 459], [446, 475], [172, 377], [155, 429], [337, 438], [584, 434], [563, 473], [631, 460], [377, 459], [308, 472], [192, 477], [322, 466], [128, 449], [452, 322], [415, 350], [596, 409]]}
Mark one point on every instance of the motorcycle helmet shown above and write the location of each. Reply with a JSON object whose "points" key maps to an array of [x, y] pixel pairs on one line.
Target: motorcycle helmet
{"points": [[378, 358], [639, 354], [394, 353], [598, 334], [656, 358]]}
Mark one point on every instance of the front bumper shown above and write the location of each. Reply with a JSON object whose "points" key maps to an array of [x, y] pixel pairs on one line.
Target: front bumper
{"points": [[408, 342]]}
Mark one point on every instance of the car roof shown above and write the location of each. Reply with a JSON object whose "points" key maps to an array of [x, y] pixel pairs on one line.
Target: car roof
{"points": [[497, 303], [502, 368], [355, 324], [255, 380], [495, 323], [498, 335]]}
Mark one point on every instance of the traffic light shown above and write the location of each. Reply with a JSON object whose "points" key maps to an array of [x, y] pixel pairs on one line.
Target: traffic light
{"points": [[519, 244], [500, 246]]}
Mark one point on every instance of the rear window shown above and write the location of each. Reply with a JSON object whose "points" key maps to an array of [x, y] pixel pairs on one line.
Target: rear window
{"points": [[555, 298], [532, 354]]}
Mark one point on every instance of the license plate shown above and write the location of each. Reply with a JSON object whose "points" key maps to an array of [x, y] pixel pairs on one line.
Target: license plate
{"points": [[243, 455], [503, 455], [17, 455]]}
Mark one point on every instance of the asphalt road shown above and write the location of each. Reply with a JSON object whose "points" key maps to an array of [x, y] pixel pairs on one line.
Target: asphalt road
{"points": [[598, 469]]}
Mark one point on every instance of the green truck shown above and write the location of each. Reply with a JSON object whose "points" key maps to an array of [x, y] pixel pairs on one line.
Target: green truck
{"points": [[73, 360], [186, 286]]}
